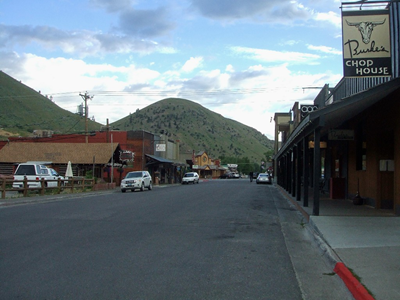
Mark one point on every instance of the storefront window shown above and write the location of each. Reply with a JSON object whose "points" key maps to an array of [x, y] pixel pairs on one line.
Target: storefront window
{"points": [[361, 150]]}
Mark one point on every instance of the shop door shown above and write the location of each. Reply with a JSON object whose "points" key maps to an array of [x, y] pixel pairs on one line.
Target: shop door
{"points": [[386, 171], [386, 178]]}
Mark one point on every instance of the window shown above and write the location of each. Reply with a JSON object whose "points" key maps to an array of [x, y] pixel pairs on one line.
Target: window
{"points": [[26, 170], [361, 150]]}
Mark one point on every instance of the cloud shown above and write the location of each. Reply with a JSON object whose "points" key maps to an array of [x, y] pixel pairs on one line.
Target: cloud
{"points": [[192, 63], [146, 23], [330, 17], [229, 9], [77, 43], [286, 11], [272, 56], [325, 49], [112, 5]]}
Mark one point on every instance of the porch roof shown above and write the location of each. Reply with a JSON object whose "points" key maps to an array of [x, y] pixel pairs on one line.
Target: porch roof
{"points": [[157, 159], [58, 153], [337, 113]]}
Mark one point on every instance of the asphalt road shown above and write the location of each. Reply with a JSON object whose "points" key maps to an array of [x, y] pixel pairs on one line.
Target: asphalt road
{"points": [[220, 239]]}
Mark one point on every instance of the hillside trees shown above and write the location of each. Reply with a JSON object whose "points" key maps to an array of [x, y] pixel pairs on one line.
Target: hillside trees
{"points": [[245, 166]]}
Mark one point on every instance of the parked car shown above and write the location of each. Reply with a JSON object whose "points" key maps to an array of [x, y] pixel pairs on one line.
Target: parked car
{"points": [[190, 177], [136, 180], [235, 175], [224, 176], [263, 178], [34, 172]]}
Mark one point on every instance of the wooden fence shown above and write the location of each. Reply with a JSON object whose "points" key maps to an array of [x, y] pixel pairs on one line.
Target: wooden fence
{"points": [[71, 184]]}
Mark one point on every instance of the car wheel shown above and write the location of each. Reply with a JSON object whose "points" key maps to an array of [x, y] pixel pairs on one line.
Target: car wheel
{"points": [[150, 187], [142, 187], [123, 191]]}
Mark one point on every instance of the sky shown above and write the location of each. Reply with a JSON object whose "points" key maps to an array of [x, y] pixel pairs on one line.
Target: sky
{"points": [[245, 60]]}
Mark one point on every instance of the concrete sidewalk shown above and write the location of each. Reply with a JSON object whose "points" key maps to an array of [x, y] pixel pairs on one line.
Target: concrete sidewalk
{"points": [[361, 243]]}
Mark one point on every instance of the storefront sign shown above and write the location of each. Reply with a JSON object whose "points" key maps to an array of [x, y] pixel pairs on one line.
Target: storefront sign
{"points": [[341, 135], [126, 155], [366, 43], [160, 147]]}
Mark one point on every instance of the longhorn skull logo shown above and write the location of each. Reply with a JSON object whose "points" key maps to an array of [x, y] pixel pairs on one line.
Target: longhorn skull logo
{"points": [[365, 29]]}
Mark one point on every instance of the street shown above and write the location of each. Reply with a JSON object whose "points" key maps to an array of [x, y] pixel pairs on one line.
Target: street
{"points": [[220, 239]]}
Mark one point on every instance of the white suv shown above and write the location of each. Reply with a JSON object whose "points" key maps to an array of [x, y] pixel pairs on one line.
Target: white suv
{"points": [[34, 172], [191, 177], [136, 180]]}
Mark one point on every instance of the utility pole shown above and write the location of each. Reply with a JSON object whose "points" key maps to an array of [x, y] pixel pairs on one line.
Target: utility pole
{"points": [[85, 98]]}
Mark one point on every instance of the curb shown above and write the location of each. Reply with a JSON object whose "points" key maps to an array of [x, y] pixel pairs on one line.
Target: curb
{"points": [[354, 286]]}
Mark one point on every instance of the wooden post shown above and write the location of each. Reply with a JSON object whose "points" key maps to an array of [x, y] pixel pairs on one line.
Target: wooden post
{"points": [[42, 184], [3, 188], [317, 170], [59, 185], [25, 186]]}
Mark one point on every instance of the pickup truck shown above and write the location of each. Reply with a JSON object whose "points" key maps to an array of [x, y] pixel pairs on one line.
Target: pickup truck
{"points": [[34, 174]]}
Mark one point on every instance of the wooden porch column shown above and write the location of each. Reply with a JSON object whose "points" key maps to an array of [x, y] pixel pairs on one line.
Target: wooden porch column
{"points": [[299, 172], [306, 172], [317, 169]]}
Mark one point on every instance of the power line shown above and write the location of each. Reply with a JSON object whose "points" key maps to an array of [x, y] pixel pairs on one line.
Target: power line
{"points": [[159, 93]]}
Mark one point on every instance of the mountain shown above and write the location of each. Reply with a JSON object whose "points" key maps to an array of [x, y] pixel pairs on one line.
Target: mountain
{"points": [[198, 128], [23, 110]]}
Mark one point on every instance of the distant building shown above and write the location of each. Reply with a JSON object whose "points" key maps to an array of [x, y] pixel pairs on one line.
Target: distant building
{"points": [[207, 167]]}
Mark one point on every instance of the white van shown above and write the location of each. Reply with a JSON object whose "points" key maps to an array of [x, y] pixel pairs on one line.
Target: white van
{"points": [[34, 173]]}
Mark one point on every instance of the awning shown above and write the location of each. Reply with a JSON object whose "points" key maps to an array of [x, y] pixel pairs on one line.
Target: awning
{"points": [[155, 160], [337, 113], [347, 108]]}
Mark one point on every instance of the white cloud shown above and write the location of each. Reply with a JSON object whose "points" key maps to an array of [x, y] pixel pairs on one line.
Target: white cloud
{"points": [[192, 63], [229, 68], [272, 56], [330, 17], [325, 49]]}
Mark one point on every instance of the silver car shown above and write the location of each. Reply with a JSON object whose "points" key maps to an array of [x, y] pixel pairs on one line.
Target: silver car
{"points": [[136, 180], [263, 178]]}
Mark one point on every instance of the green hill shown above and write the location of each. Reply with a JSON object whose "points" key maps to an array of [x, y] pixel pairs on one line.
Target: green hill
{"points": [[198, 128], [23, 110]]}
